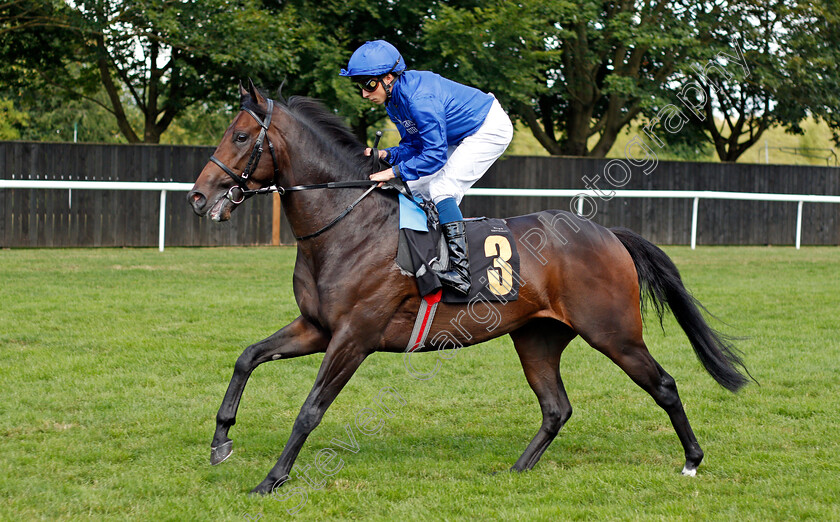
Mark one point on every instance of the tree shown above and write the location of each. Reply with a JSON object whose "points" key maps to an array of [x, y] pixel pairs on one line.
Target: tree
{"points": [[759, 65], [334, 29], [11, 120], [499, 48], [50, 118], [307, 62], [17, 15], [821, 38], [570, 70], [158, 56]]}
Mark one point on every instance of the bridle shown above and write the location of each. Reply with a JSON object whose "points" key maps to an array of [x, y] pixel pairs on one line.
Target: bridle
{"points": [[241, 180]]}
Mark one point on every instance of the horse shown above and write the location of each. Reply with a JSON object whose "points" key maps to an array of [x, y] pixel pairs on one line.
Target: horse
{"points": [[354, 300]]}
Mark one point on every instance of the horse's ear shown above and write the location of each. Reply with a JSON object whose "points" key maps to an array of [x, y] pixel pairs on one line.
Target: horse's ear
{"points": [[255, 93], [280, 92], [243, 92]]}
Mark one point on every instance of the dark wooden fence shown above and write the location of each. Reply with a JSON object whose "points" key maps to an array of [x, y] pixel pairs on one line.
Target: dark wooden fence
{"points": [[668, 221], [58, 218]]}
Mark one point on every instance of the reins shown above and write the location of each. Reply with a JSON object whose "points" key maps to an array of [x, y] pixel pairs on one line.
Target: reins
{"points": [[338, 217], [241, 180]]}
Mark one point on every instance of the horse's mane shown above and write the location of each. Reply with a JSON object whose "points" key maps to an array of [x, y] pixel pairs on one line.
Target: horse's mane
{"points": [[326, 127]]}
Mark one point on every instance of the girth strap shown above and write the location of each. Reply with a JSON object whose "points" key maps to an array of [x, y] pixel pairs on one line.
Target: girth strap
{"points": [[424, 320]]}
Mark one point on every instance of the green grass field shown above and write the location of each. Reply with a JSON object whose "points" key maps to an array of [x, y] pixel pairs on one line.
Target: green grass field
{"points": [[114, 363]]}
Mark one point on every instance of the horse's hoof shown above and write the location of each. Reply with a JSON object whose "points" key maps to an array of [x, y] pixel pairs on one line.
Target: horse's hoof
{"points": [[219, 454], [692, 461], [264, 488]]}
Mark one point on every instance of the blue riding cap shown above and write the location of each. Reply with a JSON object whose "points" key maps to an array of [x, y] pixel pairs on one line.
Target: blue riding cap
{"points": [[374, 59]]}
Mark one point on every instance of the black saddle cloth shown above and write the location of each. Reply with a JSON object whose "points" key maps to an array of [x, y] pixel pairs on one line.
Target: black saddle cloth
{"points": [[494, 260]]}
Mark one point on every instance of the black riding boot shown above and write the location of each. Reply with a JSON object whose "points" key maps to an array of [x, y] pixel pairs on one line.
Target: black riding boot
{"points": [[458, 275]]}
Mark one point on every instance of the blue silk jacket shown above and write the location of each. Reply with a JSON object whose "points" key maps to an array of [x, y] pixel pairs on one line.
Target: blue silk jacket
{"points": [[431, 114]]}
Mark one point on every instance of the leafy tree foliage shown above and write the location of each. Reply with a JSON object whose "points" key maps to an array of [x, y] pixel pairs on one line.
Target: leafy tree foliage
{"points": [[335, 28], [574, 72], [55, 119], [158, 56], [578, 72], [11, 120], [817, 67], [571, 70], [789, 71], [300, 44]]}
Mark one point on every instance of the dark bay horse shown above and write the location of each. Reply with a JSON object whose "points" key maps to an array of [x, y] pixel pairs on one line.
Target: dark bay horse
{"points": [[354, 300]]}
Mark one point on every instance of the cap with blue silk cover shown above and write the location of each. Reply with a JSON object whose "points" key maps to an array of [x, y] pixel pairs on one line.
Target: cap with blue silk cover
{"points": [[373, 59]]}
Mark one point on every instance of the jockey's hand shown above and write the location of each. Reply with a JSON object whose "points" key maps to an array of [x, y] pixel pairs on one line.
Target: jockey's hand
{"points": [[382, 154], [382, 176]]}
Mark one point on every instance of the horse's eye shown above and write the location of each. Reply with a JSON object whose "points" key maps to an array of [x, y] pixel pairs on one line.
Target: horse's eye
{"points": [[241, 137]]}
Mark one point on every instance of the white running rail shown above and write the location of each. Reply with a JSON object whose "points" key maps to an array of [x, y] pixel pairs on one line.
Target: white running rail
{"points": [[696, 195], [163, 187]]}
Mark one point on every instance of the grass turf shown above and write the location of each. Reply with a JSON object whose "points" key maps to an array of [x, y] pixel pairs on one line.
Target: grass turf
{"points": [[114, 363]]}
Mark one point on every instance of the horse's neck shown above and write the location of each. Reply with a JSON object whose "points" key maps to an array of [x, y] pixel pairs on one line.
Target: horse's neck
{"points": [[371, 221]]}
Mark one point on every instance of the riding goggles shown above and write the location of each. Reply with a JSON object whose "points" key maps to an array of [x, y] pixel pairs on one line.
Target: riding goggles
{"points": [[370, 84]]}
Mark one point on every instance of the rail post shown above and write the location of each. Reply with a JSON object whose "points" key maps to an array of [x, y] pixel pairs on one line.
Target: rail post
{"points": [[694, 223], [162, 223], [799, 224]]}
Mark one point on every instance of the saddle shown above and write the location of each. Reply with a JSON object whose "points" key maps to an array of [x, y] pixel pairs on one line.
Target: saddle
{"points": [[494, 259]]}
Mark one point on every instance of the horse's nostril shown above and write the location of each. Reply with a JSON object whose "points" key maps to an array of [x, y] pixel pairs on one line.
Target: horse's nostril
{"points": [[196, 199]]}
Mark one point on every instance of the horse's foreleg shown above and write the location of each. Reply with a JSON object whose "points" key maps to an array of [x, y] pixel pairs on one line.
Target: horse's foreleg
{"points": [[297, 338], [539, 345], [341, 361]]}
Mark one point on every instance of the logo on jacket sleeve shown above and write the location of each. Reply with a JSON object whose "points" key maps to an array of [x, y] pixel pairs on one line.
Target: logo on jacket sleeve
{"points": [[410, 126]]}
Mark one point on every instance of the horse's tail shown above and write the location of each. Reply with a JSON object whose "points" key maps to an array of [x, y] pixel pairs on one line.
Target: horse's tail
{"points": [[661, 285]]}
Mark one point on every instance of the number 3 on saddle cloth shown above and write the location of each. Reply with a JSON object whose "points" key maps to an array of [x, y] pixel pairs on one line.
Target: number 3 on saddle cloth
{"points": [[494, 260]]}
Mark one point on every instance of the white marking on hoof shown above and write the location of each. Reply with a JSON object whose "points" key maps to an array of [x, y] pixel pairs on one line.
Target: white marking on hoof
{"points": [[689, 472], [227, 448], [226, 457]]}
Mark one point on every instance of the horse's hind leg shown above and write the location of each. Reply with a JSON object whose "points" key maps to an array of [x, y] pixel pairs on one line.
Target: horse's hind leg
{"points": [[296, 339], [539, 345], [632, 356]]}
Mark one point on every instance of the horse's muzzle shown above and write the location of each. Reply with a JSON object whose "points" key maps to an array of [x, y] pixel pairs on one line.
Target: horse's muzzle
{"points": [[198, 201]]}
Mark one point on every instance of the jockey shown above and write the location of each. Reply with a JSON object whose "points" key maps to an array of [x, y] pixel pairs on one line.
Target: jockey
{"points": [[450, 136]]}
